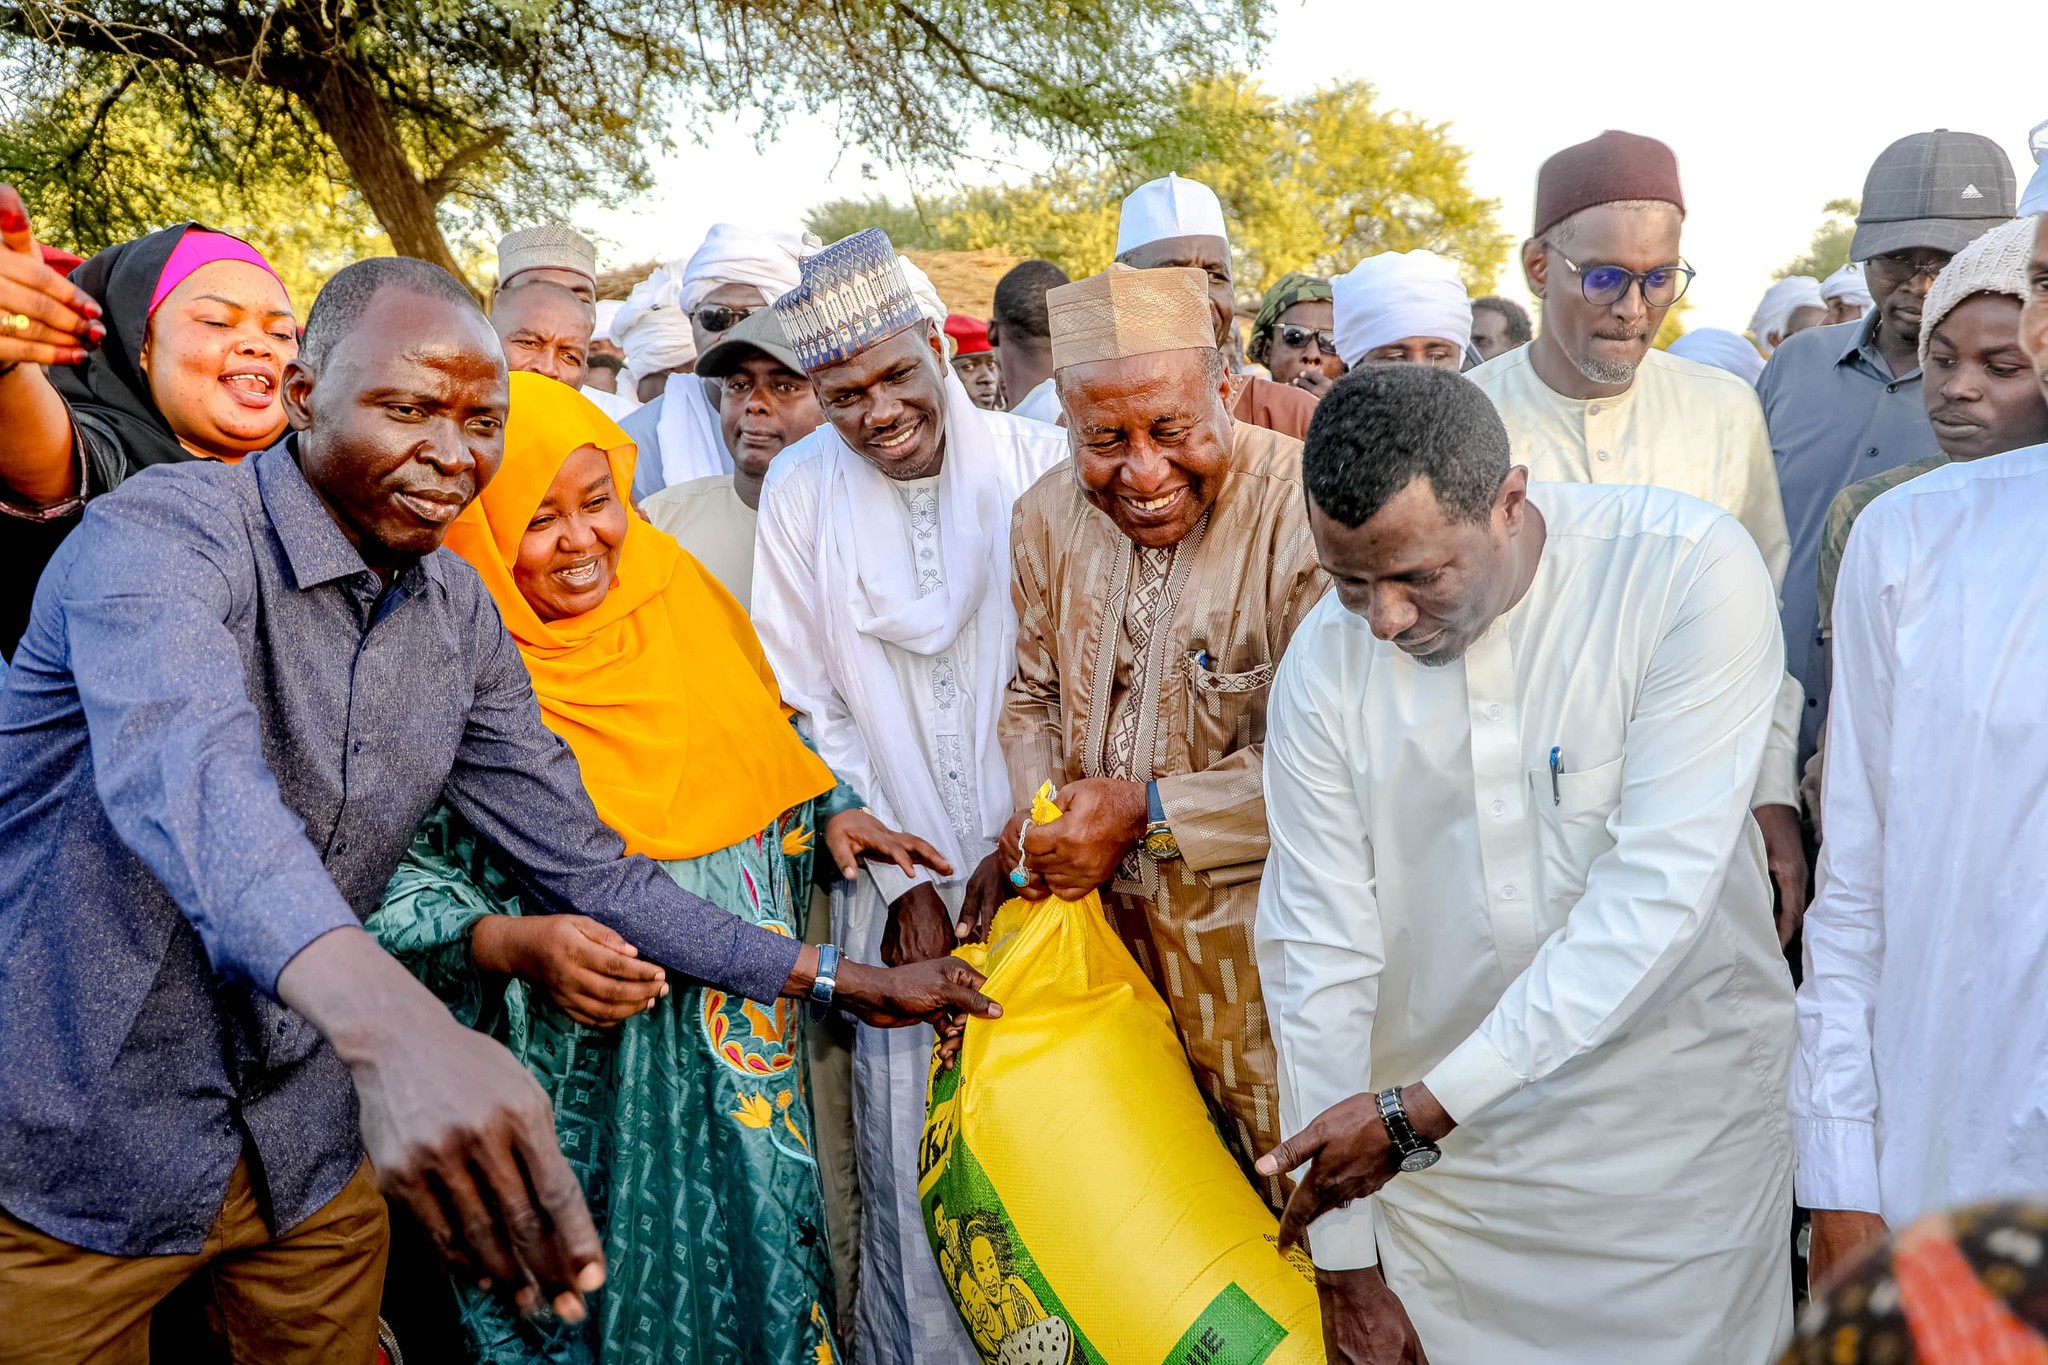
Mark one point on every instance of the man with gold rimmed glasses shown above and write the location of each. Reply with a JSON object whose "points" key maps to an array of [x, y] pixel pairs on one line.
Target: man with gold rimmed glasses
{"points": [[1591, 401]]}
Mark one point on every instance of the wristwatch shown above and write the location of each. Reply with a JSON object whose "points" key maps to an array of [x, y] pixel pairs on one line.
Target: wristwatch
{"points": [[825, 984], [1411, 1153], [1157, 841]]}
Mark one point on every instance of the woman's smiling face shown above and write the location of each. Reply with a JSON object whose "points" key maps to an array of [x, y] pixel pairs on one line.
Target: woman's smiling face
{"points": [[215, 355], [570, 552]]}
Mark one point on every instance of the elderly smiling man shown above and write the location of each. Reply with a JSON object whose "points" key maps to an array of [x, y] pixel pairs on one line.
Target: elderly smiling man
{"points": [[1157, 582]]}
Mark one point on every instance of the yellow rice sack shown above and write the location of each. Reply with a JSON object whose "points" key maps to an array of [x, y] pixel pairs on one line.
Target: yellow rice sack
{"points": [[1075, 1191]]}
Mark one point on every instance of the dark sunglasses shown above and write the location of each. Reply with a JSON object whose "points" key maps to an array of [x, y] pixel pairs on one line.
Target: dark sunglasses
{"points": [[1300, 337], [1606, 284], [719, 317], [1909, 265]]}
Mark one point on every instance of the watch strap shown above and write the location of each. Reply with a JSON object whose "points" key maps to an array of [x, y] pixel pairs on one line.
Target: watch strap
{"points": [[1395, 1115], [825, 984]]}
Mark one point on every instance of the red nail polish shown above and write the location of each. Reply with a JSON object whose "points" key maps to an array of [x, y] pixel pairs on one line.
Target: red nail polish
{"points": [[73, 356], [12, 219]]}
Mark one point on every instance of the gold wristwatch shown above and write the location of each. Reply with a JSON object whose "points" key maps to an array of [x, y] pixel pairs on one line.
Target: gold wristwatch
{"points": [[1157, 842]]}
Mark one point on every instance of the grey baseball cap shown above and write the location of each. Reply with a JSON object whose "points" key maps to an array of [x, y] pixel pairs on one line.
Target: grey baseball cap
{"points": [[1938, 190], [760, 331]]}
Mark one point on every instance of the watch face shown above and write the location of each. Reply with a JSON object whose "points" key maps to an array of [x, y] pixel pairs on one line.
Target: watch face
{"points": [[1421, 1159], [1162, 845]]}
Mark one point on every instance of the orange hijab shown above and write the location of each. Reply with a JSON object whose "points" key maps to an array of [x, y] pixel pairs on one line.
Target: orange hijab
{"points": [[661, 690]]}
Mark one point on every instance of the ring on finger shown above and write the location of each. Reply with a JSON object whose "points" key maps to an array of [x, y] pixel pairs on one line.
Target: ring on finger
{"points": [[16, 323]]}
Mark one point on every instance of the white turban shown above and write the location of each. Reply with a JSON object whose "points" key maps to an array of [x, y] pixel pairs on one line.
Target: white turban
{"points": [[1847, 285], [1779, 303], [1723, 349], [653, 328], [2035, 198], [740, 255], [607, 310], [1169, 207], [1399, 294]]}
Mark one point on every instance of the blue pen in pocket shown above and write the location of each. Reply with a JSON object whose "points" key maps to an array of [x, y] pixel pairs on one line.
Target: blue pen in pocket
{"points": [[1556, 769]]}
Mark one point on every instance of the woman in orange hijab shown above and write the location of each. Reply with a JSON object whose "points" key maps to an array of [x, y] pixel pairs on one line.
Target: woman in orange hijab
{"points": [[685, 1111]]}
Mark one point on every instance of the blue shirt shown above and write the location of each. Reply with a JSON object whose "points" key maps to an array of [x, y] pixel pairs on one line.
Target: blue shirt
{"points": [[1836, 415], [216, 739]]}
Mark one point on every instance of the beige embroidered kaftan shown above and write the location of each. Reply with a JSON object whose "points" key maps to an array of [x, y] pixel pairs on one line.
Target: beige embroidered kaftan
{"points": [[1190, 714]]}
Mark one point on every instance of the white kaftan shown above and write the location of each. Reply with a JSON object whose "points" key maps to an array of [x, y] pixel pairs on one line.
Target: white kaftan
{"points": [[920, 755], [1681, 425], [1586, 975], [1921, 1082]]}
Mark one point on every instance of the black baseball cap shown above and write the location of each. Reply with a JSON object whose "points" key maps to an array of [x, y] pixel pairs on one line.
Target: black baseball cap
{"points": [[1938, 190]]}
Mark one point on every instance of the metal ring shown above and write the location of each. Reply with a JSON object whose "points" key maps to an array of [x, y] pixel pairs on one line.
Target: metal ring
{"points": [[16, 322]]}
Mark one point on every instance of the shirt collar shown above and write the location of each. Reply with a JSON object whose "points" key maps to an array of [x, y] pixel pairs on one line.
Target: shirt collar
{"points": [[1862, 341], [313, 544]]}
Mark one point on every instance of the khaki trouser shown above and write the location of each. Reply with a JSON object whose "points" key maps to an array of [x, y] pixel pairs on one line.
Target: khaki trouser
{"points": [[308, 1297]]}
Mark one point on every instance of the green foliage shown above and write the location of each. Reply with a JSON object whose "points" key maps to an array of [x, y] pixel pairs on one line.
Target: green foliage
{"points": [[1673, 327], [1313, 183], [905, 225], [1829, 250], [512, 110], [92, 176]]}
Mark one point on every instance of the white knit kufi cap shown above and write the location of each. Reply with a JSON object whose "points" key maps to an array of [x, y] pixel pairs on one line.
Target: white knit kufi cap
{"points": [[1784, 298], [1995, 263], [1396, 295], [550, 246], [1169, 207], [853, 294]]}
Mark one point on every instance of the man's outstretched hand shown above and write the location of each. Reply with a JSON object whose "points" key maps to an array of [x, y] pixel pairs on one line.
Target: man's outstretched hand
{"points": [[454, 1126]]}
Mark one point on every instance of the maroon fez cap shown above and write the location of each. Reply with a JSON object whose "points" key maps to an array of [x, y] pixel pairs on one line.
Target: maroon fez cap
{"points": [[1608, 169]]}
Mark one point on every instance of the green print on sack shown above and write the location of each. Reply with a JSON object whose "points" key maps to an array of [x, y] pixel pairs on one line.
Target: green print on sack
{"points": [[1231, 1331], [1012, 1314]]}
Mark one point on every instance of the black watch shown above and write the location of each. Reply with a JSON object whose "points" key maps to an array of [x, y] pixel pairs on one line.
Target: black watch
{"points": [[1411, 1153]]}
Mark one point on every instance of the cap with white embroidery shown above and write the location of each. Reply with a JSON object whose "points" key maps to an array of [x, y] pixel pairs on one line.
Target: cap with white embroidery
{"points": [[1938, 191]]}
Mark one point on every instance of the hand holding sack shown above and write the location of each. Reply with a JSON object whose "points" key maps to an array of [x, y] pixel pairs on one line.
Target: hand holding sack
{"points": [[1075, 1192]]}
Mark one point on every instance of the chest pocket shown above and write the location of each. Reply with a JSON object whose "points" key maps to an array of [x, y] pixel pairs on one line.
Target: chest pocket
{"points": [[1571, 830], [1225, 711]]}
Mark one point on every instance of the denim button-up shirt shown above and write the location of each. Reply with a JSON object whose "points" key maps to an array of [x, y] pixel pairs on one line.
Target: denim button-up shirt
{"points": [[1836, 415], [218, 735]]}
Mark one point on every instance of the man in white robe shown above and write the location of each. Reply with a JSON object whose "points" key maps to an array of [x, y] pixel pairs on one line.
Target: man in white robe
{"points": [[1919, 1083], [1591, 401], [1515, 890], [882, 598]]}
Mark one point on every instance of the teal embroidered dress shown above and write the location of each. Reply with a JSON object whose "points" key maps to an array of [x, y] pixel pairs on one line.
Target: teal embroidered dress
{"points": [[689, 1125]]}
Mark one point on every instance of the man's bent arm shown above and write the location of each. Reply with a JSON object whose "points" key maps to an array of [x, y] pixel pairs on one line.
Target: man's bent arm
{"points": [[1834, 1082], [1318, 937]]}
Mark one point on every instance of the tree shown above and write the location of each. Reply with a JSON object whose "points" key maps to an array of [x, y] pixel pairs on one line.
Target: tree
{"points": [[905, 224], [1829, 250], [487, 104], [1313, 183], [137, 173]]}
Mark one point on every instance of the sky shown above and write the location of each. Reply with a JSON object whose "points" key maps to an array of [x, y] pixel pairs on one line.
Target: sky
{"points": [[1772, 108]]}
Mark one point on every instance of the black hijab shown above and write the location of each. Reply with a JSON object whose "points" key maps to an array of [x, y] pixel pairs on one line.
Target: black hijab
{"points": [[109, 390], [110, 385]]}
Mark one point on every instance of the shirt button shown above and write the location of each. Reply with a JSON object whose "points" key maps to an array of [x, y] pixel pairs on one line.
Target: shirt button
{"points": [[1601, 455], [1593, 411], [1507, 893], [356, 748], [1493, 711], [1500, 808], [1871, 451]]}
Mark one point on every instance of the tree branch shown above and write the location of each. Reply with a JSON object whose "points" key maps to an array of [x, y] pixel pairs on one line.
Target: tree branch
{"points": [[441, 182]]}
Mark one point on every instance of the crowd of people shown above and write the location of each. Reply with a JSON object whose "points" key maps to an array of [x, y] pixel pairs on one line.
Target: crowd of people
{"points": [[491, 794]]}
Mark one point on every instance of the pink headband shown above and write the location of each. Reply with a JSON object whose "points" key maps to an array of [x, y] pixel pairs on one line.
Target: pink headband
{"points": [[201, 247]]}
